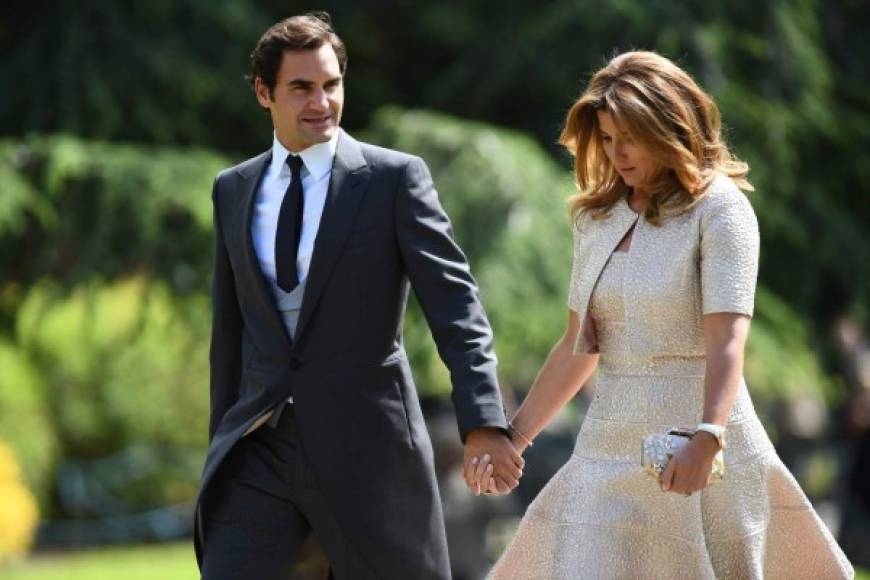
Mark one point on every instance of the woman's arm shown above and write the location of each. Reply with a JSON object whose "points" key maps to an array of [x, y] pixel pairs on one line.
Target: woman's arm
{"points": [[724, 340], [561, 377]]}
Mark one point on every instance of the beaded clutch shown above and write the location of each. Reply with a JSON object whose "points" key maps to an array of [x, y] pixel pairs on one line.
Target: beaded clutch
{"points": [[658, 448]]}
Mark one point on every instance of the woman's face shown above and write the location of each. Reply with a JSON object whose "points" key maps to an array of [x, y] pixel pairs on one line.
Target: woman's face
{"points": [[633, 161]]}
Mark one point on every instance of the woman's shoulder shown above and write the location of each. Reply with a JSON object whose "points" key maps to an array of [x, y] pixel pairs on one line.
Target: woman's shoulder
{"points": [[579, 222], [723, 195], [586, 219]]}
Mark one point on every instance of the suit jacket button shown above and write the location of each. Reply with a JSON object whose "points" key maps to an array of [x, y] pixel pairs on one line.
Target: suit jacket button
{"points": [[295, 364]]}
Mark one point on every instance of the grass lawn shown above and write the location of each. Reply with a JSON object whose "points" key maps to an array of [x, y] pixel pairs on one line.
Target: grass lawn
{"points": [[168, 562]]}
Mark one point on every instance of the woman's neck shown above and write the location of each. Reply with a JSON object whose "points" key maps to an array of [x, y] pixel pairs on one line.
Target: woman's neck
{"points": [[638, 199]]}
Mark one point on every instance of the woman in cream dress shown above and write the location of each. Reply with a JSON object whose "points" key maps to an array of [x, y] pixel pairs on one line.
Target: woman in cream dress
{"points": [[665, 263]]}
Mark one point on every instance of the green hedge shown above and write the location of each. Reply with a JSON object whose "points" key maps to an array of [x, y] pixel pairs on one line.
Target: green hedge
{"points": [[507, 202], [74, 210], [104, 312]]}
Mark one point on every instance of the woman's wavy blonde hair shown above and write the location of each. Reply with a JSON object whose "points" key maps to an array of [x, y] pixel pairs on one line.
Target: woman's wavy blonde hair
{"points": [[663, 109]]}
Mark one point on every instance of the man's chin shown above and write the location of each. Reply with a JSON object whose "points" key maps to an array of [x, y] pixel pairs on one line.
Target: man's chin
{"points": [[323, 135]]}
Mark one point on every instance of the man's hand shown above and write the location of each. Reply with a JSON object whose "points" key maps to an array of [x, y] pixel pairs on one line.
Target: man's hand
{"points": [[492, 463]]}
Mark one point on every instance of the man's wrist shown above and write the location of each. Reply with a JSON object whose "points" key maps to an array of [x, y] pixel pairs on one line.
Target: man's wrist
{"points": [[485, 430]]}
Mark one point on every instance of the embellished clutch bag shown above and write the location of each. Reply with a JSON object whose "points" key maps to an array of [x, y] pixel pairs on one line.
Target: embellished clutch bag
{"points": [[658, 448]]}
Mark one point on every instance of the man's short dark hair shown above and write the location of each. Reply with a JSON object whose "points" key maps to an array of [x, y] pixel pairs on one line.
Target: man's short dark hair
{"points": [[306, 32]]}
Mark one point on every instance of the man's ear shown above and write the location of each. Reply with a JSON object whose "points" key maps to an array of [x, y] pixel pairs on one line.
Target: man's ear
{"points": [[263, 94]]}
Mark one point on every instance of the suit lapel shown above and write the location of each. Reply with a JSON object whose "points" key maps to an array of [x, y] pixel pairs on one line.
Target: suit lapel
{"points": [[251, 175], [347, 186]]}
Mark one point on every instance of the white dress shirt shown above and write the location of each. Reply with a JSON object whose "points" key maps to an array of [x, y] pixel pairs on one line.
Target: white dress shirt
{"points": [[316, 171]]}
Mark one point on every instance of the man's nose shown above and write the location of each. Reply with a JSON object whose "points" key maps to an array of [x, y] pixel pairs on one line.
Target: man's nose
{"points": [[319, 100]]}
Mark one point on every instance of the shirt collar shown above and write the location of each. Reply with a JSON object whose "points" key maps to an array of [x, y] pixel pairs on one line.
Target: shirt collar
{"points": [[317, 158]]}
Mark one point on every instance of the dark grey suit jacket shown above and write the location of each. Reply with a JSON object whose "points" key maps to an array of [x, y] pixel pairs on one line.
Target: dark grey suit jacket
{"points": [[383, 231]]}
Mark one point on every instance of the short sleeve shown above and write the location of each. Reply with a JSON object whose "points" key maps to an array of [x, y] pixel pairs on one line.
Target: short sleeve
{"points": [[574, 286], [729, 256]]}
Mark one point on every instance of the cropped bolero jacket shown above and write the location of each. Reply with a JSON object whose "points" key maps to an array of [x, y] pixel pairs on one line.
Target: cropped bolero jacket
{"points": [[702, 261]]}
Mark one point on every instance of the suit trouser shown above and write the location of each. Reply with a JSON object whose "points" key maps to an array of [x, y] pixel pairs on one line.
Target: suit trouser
{"points": [[262, 505]]}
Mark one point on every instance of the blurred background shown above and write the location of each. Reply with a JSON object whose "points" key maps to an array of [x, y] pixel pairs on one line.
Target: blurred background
{"points": [[115, 117]]}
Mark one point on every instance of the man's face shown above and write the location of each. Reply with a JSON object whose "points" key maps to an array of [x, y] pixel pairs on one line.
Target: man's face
{"points": [[308, 97]]}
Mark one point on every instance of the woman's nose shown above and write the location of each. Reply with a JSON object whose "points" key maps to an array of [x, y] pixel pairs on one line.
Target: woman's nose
{"points": [[619, 149]]}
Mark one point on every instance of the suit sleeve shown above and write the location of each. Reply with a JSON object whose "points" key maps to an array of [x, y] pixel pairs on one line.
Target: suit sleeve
{"points": [[225, 351], [441, 279]]}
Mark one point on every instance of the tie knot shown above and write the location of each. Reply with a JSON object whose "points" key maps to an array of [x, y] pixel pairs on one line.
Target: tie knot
{"points": [[295, 163]]}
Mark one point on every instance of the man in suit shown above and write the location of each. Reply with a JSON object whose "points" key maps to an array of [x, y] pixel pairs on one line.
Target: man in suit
{"points": [[315, 423]]}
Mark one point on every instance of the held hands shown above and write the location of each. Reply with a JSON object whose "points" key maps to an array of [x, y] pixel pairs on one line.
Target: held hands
{"points": [[689, 469], [493, 464]]}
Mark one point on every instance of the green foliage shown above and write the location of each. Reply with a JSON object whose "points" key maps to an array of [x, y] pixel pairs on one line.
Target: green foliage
{"points": [[791, 79], [123, 363], [162, 71], [506, 200], [795, 116], [106, 253], [780, 358], [25, 418], [782, 367], [126, 361], [82, 209]]}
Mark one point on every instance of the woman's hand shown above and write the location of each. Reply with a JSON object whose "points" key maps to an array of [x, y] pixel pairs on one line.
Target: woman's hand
{"points": [[562, 375], [482, 481], [689, 469], [481, 471]]}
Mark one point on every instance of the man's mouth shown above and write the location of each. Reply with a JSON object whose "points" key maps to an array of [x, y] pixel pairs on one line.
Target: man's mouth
{"points": [[320, 120]]}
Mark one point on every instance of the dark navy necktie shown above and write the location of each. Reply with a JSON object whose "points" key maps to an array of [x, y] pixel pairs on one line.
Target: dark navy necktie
{"points": [[289, 228]]}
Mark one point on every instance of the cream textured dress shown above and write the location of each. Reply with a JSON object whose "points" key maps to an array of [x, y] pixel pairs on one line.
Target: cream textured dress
{"points": [[601, 516]]}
